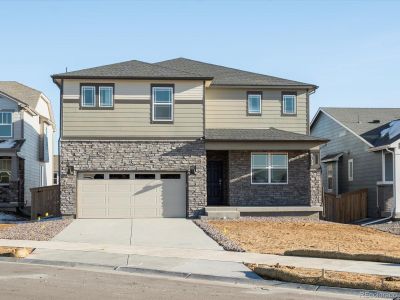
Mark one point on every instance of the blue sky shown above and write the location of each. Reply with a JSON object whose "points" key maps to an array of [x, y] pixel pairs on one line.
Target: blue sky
{"points": [[350, 49]]}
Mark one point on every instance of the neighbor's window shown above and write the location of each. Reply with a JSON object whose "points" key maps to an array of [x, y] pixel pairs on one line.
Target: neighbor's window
{"points": [[350, 171], [388, 167], [106, 96], [289, 104], [329, 175], [5, 170], [55, 178], [254, 103], [88, 96], [162, 103], [5, 124], [269, 168]]}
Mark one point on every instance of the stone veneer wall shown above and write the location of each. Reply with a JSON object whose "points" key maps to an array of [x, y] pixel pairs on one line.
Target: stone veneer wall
{"points": [[131, 156], [316, 187], [296, 192]]}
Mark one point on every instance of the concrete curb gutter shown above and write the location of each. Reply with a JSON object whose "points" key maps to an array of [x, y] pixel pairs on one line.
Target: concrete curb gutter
{"points": [[182, 275]]}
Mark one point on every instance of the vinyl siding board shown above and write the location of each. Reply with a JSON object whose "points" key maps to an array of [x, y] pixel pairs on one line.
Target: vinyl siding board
{"points": [[227, 108], [367, 165], [132, 119]]}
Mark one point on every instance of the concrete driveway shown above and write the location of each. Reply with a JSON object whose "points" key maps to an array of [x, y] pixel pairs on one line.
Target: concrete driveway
{"points": [[160, 233]]}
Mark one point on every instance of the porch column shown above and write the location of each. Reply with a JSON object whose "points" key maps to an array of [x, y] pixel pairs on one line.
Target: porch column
{"points": [[14, 168], [396, 181]]}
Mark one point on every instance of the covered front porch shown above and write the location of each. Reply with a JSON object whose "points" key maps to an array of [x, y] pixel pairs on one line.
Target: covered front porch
{"points": [[261, 172]]}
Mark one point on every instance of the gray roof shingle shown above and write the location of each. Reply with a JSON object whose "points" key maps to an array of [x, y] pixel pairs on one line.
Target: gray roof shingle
{"points": [[228, 76], [259, 135], [129, 69], [20, 92], [366, 122]]}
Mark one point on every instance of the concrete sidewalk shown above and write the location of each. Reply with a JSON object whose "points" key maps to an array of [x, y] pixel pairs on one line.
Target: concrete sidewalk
{"points": [[87, 251]]}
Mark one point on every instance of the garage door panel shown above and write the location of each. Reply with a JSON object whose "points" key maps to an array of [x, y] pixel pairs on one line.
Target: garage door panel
{"points": [[142, 197]]}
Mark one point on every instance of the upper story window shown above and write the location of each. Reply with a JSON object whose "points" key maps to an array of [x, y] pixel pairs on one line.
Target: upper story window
{"points": [[88, 96], [269, 168], [6, 124], [254, 103], [289, 104], [387, 167], [97, 96], [106, 96], [162, 103]]}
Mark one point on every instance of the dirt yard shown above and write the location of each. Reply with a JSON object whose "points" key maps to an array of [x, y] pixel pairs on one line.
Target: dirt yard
{"points": [[277, 236]]}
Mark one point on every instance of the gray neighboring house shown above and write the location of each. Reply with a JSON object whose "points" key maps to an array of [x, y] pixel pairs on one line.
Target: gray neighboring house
{"points": [[183, 138], [26, 143], [363, 152]]}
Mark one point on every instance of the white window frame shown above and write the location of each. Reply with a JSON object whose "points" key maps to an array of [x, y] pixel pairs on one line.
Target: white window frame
{"points": [[384, 168], [329, 168], [250, 94], [10, 160], [269, 168], [112, 95], [284, 104], [57, 178], [42, 172], [350, 175], [154, 104], [11, 124], [93, 88]]}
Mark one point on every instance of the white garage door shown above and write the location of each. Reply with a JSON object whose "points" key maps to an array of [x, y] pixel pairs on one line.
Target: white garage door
{"points": [[131, 195]]}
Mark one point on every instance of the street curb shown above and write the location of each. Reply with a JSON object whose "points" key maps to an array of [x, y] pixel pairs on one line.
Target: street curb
{"points": [[183, 275]]}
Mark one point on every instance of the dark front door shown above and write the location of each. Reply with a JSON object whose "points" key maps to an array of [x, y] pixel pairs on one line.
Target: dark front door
{"points": [[214, 183]]}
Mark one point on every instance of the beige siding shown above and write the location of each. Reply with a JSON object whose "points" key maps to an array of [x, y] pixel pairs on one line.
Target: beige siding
{"points": [[227, 108], [130, 119]]}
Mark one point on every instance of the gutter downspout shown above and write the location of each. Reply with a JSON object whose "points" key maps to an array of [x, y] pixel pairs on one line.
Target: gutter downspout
{"points": [[392, 215]]}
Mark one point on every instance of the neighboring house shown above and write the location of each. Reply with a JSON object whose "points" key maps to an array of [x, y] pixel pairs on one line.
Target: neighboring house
{"points": [[181, 138], [363, 152], [26, 143], [56, 173]]}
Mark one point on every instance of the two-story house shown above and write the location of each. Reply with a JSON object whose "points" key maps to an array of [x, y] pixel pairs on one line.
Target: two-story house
{"points": [[181, 138], [26, 143]]}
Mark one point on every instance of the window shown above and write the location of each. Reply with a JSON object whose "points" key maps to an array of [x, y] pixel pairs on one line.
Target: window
{"points": [[5, 124], [289, 104], [329, 175], [106, 96], [170, 176], [314, 158], [88, 96], [387, 167], [145, 176], [162, 103], [254, 103], [119, 176], [269, 168], [55, 178], [350, 166], [5, 170]]}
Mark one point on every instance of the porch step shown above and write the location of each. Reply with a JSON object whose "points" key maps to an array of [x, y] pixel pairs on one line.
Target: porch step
{"points": [[222, 214]]}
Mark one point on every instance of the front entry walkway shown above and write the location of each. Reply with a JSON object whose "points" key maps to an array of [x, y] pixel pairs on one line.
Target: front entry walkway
{"points": [[137, 243]]}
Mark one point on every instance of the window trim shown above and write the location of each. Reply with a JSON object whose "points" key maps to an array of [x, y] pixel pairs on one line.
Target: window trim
{"points": [[83, 96], [283, 112], [384, 181], [11, 124], [254, 93], [269, 168], [97, 105], [112, 95], [153, 104], [350, 177], [9, 180], [330, 165]]}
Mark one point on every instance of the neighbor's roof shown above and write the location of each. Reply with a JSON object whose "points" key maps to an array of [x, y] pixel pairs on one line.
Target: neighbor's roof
{"points": [[226, 76], [11, 144], [331, 157], [181, 68], [130, 69], [23, 94], [258, 135], [368, 123]]}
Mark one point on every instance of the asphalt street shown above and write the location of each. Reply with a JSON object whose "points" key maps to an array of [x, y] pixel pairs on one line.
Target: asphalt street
{"points": [[27, 281]]}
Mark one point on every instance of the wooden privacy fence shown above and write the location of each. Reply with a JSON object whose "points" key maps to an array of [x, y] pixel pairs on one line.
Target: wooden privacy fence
{"points": [[346, 208], [45, 199]]}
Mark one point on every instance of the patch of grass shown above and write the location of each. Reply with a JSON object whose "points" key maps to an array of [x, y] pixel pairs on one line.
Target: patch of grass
{"points": [[327, 278]]}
